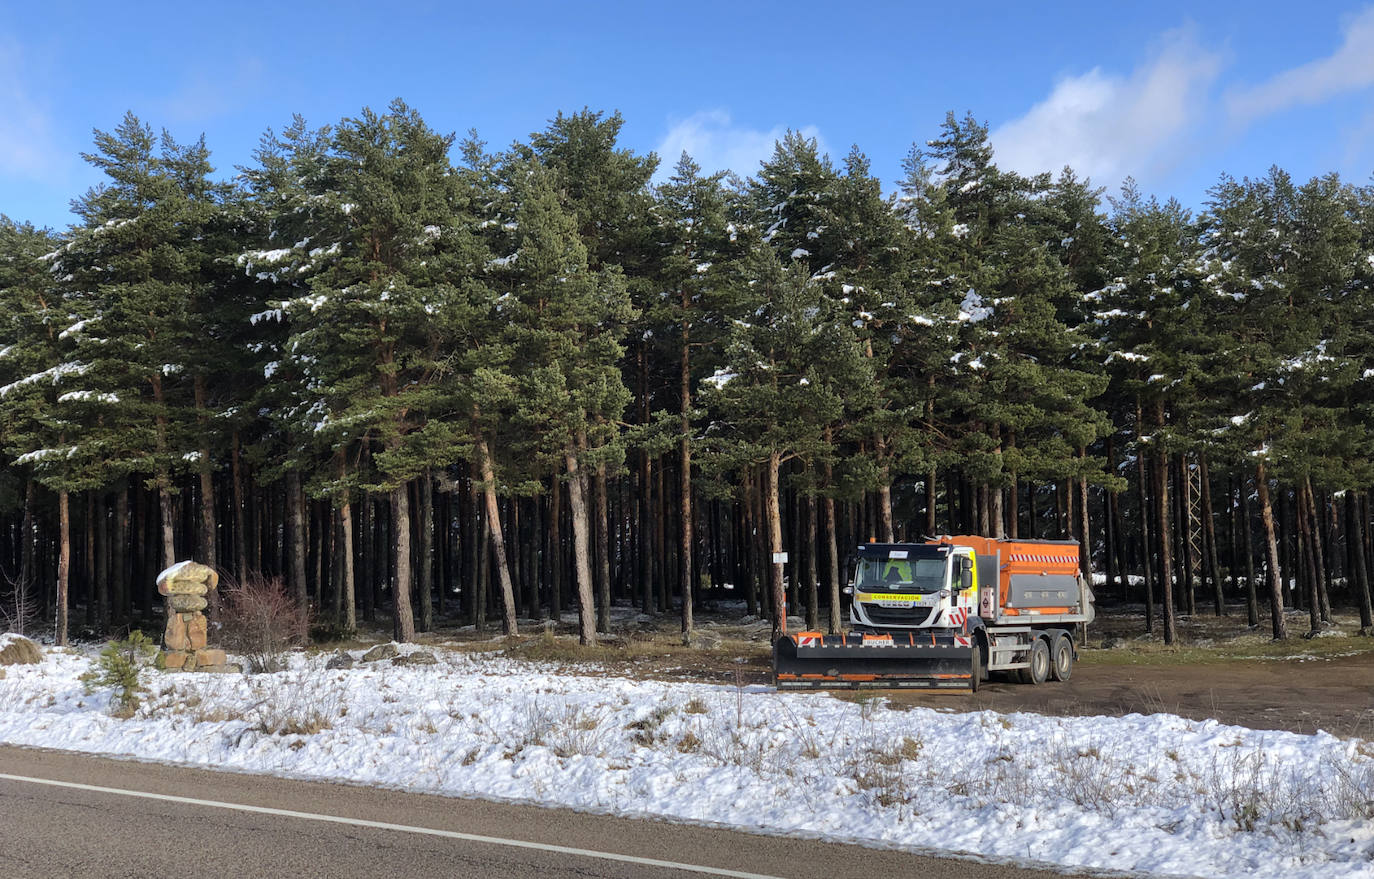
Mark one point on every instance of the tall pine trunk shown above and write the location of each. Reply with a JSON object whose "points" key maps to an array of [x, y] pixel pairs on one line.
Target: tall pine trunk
{"points": [[1359, 577], [1247, 544], [931, 502], [685, 476], [773, 516], [645, 543], [64, 565], [813, 616], [240, 533], [1271, 554], [556, 549], [349, 597], [885, 500], [1146, 548], [94, 586], [295, 515], [1085, 545], [404, 622], [582, 555], [1319, 547], [209, 528], [1307, 535], [498, 541], [832, 544], [163, 478], [1166, 565], [603, 551], [119, 555], [425, 586]]}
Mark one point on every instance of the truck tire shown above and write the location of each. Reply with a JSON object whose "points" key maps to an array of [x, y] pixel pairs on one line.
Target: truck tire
{"points": [[1061, 658], [980, 646], [977, 668], [1039, 670]]}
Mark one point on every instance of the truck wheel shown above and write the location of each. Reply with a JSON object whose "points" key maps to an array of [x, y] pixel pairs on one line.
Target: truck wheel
{"points": [[980, 646], [976, 666], [1039, 669], [1061, 669]]}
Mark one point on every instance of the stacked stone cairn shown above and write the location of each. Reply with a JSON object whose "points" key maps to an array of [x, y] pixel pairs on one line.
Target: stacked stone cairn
{"points": [[184, 587]]}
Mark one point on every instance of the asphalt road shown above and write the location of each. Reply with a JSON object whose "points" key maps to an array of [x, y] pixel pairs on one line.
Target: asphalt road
{"points": [[72, 815]]}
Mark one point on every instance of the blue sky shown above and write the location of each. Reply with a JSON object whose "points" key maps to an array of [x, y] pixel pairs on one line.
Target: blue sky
{"points": [[1172, 93]]}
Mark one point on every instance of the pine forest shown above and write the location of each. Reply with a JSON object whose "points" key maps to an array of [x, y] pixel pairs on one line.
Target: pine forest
{"points": [[429, 383]]}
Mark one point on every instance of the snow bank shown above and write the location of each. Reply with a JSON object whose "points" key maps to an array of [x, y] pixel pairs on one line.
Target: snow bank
{"points": [[1157, 794]]}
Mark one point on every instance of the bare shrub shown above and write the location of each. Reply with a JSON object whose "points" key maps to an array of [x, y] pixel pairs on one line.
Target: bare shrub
{"points": [[302, 707], [1001, 778], [1251, 790], [19, 604], [729, 746], [262, 622], [1350, 794], [538, 725], [1099, 781], [580, 732], [887, 783], [647, 729]]}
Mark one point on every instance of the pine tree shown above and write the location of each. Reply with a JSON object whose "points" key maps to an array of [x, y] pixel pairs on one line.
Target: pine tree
{"points": [[368, 337], [1282, 259], [1151, 320], [866, 271], [697, 268], [604, 188], [1020, 398], [481, 373], [787, 371], [139, 268], [291, 214], [40, 413], [565, 322]]}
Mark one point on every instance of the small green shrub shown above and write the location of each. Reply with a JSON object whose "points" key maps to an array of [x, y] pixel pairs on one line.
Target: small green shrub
{"points": [[120, 666]]}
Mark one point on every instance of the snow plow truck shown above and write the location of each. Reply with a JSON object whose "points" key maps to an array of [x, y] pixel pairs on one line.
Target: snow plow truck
{"points": [[945, 613]]}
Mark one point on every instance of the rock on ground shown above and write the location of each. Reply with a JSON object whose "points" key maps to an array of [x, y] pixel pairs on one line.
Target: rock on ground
{"points": [[18, 650], [340, 660], [380, 652]]}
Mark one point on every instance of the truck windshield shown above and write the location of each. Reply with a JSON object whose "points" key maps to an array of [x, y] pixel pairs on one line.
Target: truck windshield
{"points": [[900, 575]]}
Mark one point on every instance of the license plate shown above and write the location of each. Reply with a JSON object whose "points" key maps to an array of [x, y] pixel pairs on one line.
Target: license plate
{"points": [[899, 604]]}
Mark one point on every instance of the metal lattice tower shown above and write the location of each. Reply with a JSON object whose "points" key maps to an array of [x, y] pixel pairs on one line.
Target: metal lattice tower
{"points": [[1193, 488]]}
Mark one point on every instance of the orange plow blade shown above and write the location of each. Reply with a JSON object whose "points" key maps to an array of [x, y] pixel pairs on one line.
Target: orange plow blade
{"points": [[810, 661]]}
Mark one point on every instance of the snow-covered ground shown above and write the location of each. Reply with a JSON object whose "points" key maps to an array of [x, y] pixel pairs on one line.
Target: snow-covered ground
{"points": [[1157, 794]]}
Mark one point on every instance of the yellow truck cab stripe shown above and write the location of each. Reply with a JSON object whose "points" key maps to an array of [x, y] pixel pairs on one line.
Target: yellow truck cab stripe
{"points": [[890, 596]]}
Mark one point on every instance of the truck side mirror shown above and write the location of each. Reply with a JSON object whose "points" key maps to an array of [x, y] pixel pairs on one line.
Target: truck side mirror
{"points": [[966, 574]]}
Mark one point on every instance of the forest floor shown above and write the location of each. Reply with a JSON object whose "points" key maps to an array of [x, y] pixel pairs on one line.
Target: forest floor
{"points": [[1219, 668]]}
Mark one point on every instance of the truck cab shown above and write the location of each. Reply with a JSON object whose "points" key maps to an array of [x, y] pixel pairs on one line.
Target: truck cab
{"points": [[900, 587]]}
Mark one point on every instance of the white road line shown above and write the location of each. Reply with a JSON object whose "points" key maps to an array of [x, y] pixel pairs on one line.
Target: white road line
{"points": [[403, 828]]}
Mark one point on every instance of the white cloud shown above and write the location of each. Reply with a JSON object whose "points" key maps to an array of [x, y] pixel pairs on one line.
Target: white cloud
{"points": [[1349, 68], [1106, 126], [716, 144], [26, 136]]}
